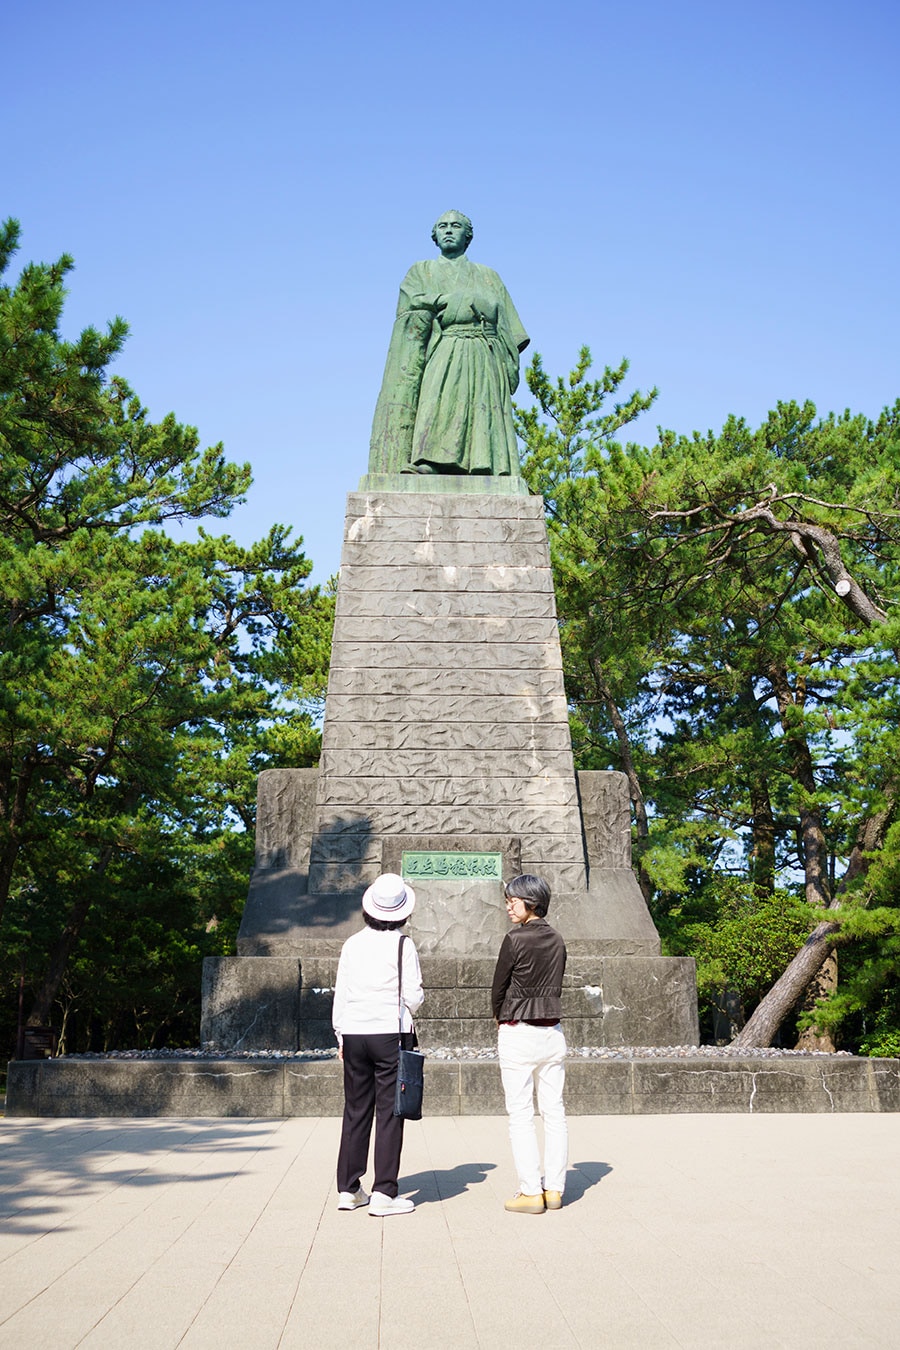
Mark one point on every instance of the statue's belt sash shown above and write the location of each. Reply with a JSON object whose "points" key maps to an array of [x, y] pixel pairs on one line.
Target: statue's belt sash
{"points": [[470, 330]]}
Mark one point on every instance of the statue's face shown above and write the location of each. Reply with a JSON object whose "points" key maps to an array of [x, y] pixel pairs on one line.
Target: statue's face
{"points": [[451, 234]]}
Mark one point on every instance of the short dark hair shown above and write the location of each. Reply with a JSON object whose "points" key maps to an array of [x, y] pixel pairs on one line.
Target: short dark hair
{"points": [[532, 890], [464, 218], [383, 925]]}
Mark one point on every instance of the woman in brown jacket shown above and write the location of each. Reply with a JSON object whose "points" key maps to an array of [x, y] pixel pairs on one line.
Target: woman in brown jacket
{"points": [[525, 998]]}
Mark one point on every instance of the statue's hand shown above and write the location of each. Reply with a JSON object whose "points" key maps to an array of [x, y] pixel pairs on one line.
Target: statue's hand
{"points": [[435, 304]]}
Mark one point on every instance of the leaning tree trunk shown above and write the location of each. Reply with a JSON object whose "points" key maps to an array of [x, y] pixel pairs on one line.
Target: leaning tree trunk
{"points": [[789, 988]]}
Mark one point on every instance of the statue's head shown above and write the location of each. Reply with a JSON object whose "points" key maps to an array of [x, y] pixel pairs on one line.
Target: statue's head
{"points": [[446, 232]]}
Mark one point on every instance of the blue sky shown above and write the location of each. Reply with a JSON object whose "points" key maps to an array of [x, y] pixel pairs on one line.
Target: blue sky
{"points": [[709, 189]]}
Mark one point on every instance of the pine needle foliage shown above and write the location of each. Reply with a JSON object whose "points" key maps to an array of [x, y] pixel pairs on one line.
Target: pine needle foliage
{"points": [[729, 608], [144, 682]]}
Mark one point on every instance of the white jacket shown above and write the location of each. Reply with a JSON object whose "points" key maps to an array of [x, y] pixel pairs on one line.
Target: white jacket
{"points": [[365, 992]]}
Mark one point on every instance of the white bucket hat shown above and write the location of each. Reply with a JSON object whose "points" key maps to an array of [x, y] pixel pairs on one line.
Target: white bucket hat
{"points": [[389, 897]]}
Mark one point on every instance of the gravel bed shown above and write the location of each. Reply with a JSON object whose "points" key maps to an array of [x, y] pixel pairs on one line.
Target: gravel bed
{"points": [[467, 1052]]}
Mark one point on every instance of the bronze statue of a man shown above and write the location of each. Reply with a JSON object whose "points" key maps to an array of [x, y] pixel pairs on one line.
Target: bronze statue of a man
{"points": [[452, 367]]}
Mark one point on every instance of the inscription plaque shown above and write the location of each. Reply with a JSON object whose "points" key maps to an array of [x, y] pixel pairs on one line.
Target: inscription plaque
{"points": [[451, 865]]}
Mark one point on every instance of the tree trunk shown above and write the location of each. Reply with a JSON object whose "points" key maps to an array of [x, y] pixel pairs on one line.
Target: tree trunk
{"points": [[814, 847], [56, 967], [820, 986], [762, 833], [8, 857], [824, 981], [789, 987], [762, 820], [13, 812]]}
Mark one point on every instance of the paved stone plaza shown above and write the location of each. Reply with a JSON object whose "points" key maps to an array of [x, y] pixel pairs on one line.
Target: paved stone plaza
{"points": [[705, 1231]]}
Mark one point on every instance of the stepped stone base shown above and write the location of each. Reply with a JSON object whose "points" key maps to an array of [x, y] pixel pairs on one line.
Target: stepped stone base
{"points": [[261, 1003], [283, 918], [276, 993], [627, 1086], [445, 750]]}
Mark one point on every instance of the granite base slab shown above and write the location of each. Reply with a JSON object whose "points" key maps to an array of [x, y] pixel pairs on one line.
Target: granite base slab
{"points": [[297, 1087]]}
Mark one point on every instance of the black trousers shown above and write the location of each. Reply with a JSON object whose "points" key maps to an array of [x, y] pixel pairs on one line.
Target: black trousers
{"points": [[370, 1081]]}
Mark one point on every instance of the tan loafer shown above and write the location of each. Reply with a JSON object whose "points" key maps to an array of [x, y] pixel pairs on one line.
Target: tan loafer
{"points": [[525, 1204], [553, 1199]]}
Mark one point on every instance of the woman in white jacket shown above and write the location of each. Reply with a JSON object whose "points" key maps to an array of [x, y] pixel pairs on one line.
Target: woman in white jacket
{"points": [[367, 1019]]}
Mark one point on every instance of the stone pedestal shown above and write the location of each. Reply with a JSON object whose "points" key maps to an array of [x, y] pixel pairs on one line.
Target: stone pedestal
{"points": [[446, 714], [446, 756]]}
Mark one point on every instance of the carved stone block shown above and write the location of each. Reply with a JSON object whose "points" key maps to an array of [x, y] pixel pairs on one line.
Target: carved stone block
{"points": [[375, 655], [455, 629], [436, 507], [442, 790], [377, 552], [522, 712], [400, 682], [606, 816], [285, 806], [495, 531], [503, 580], [438, 603], [250, 1003]]}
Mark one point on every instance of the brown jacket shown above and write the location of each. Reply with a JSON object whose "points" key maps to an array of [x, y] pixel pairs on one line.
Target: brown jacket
{"points": [[528, 977]]}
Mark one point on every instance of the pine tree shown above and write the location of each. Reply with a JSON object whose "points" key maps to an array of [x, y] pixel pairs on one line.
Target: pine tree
{"points": [[144, 680], [726, 608]]}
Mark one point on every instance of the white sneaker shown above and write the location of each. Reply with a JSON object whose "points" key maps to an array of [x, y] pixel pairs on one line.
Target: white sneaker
{"points": [[352, 1199], [382, 1205]]}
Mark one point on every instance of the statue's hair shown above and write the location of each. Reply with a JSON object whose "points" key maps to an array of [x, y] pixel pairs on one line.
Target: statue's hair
{"points": [[453, 212]]}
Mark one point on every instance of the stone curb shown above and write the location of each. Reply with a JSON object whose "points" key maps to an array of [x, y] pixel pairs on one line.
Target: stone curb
{"points": [[273, 1089]]}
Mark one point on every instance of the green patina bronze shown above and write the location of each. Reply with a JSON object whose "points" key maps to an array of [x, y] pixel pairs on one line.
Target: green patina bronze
{"points": [[452, 866], [445, 405]]}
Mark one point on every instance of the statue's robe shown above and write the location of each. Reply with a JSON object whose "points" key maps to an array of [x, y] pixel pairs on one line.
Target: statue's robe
{"points": [[452, 367]]}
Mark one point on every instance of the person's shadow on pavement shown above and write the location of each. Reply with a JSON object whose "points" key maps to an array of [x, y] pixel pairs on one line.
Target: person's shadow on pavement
{"points": [[432, 1187], [582, 1176]]}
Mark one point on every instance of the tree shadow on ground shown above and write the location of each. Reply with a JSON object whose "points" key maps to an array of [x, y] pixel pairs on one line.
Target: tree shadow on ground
{"points": [[581, 1176], [443, 1183], [45, 1165]]}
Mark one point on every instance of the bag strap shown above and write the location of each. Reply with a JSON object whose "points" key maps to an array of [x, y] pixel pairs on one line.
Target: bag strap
{"points": [[403, 937]]}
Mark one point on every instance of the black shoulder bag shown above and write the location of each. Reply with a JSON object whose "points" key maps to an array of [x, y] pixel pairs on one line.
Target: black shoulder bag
{"points": [[410, 1063]]}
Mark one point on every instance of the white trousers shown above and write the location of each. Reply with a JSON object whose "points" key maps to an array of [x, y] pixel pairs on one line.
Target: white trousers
{"points": [[527, 1052]]}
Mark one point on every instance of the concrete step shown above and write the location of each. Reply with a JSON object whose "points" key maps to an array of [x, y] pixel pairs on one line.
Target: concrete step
{"points": [[294, 1086]]}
